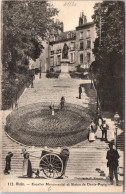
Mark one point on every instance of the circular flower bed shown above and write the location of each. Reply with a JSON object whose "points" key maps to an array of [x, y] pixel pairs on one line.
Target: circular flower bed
{"points": [[34, 125]]}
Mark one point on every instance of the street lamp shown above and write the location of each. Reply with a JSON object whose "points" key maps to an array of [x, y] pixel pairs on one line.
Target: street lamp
{"points": [[116, 121], [91, 86], [40, 68]]}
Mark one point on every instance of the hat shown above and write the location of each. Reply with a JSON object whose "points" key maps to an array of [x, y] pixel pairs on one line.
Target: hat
{"points": [[111, 144], [10, 153], [26, 155]]}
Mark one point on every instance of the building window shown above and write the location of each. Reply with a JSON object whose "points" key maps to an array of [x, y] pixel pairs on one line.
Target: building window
{"points": [[52, 52], [52, 61], [88, 33], [72, 46], [81, 35], [81, 58], [58, 59], [69, 35], [88, 57], [88, 44], [81, 45], [58, 51], [72, 57]]}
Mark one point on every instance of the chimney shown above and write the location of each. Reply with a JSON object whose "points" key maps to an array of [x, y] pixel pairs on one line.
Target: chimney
{"points": [[62, 26], [85, 19]]}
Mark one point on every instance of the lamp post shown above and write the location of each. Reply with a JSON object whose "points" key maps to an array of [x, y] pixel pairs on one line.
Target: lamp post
{"points": [[97, 97], [91, 86], [40, 68], [116, 121]]}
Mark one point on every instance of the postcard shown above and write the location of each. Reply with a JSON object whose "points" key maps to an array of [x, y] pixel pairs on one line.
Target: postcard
{"points": [[62, 96]]}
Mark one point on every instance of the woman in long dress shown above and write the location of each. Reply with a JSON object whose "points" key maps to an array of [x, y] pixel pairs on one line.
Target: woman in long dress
{"points": [[92, 129], [27, 167]]}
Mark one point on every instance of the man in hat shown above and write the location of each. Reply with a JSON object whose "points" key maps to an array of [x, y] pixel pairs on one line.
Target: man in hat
{"points": [[8, 163], [80, 91], [112, 157], [104, 128], [62, 101]]}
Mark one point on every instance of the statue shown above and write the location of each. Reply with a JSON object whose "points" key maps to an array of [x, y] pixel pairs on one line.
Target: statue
{"points": [[65, 51]]}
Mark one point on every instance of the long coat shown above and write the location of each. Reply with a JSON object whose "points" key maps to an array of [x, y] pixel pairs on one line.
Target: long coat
{"points": [[8, 164], [112, 157]]}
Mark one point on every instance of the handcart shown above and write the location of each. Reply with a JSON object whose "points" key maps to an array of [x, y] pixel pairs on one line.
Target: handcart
{"points": [[53, 164]]}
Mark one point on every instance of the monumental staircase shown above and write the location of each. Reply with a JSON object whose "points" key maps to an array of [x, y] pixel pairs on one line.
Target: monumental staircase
{"points": [[87, 160]]}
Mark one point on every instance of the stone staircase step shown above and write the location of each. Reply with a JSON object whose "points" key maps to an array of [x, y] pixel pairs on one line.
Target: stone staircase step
{"points": [[85, 157]]}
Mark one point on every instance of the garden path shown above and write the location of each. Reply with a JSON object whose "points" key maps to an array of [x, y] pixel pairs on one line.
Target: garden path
{"points": [[51, 90]]}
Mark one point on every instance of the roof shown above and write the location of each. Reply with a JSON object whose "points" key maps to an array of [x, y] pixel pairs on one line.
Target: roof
{"points": [[65, 36], [87, 25]]}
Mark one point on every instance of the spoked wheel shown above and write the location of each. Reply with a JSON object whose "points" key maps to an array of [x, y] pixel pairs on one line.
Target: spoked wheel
{"points": [[52, 165]]}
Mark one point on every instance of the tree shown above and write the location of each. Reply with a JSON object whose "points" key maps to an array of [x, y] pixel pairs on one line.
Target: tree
{"points": [[109, 17], [25, 25]]}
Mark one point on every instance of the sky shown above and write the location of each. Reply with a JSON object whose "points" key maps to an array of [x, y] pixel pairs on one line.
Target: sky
{"points": [[69, 12]]}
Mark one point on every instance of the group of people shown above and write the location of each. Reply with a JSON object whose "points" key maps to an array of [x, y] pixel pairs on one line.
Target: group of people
{"points": [[100, 122], [62, 103], [112, 155], [27, 170]]}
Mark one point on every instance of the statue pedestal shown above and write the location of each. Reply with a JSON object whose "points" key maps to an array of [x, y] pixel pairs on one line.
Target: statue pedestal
{"points": [[64, 65], [64, 69]]}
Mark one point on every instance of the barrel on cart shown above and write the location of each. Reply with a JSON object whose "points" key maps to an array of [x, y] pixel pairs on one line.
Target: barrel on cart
{"points": [[54, 165]]}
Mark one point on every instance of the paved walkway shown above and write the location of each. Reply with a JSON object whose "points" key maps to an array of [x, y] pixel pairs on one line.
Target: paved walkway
{"points": [[87, 160], [51, 90]]}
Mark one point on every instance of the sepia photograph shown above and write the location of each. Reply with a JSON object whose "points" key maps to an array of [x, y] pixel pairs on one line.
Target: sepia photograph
{"points": [[62, 96]]}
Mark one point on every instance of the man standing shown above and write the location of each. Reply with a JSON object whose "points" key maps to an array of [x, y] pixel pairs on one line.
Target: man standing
{"points": [[8, 163], [62, 101], [104, 128], [112, 157], [80, 91]]}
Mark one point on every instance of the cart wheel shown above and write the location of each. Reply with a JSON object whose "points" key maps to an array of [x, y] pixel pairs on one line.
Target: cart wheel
{"points": [[52, 165]]}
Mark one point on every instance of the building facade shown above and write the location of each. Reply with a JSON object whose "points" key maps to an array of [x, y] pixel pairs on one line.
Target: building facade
{"points": [[80, 42]]}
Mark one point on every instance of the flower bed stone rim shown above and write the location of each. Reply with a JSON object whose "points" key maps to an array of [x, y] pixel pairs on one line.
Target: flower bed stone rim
{"points": [[51, 135]]}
